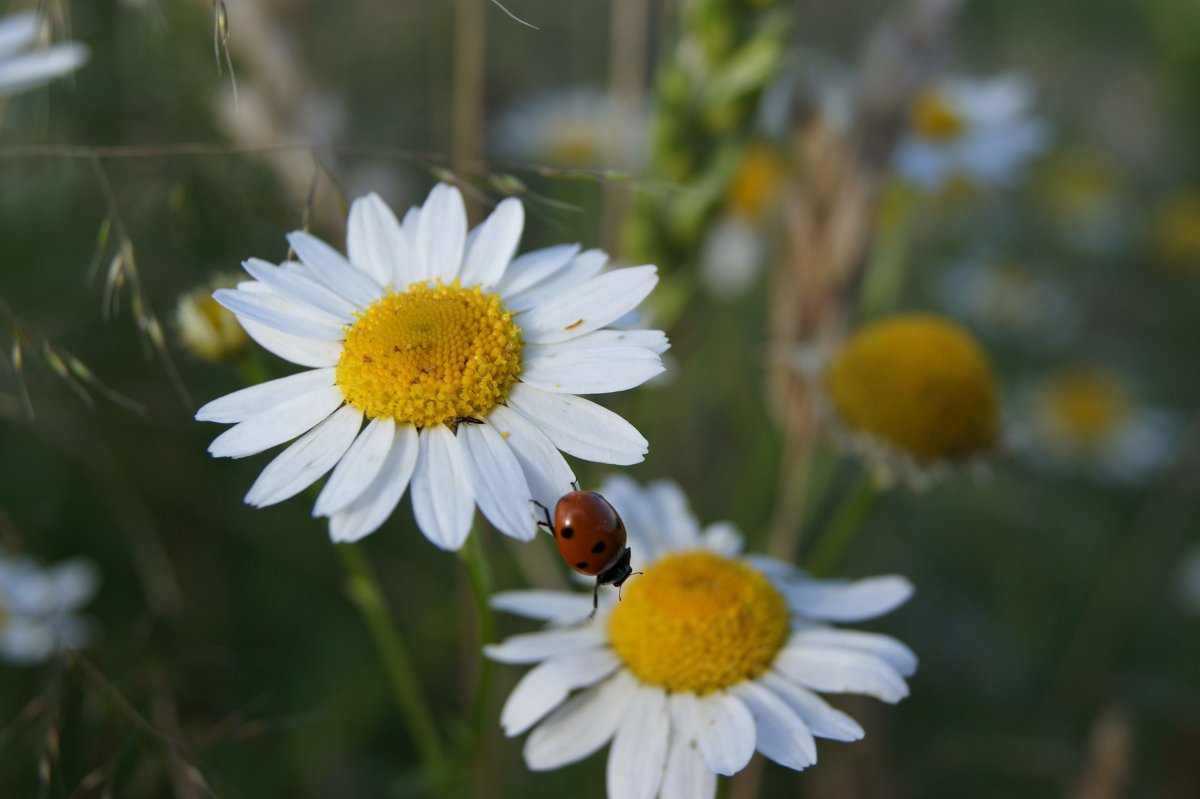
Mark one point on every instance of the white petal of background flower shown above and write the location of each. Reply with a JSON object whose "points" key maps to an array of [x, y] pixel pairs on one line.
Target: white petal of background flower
{"points": [[824, 720], [780, 733], [884, 647], [844, 601], [583, 724], [536, 647], [18, 31], [544, 687], [638, 755], [842, 671], [687, 776], [725, 732], [557, 607]]}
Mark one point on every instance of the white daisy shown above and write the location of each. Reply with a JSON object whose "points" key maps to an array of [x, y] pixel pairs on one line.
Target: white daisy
{"points": [[38, 607], [207, 330], [465, 363], [22, 68], [573, 129], [1011, 301], [707, 657], [977, 130]]}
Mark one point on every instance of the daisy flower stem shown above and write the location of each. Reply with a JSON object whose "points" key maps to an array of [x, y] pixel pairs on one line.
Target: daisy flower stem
{"points": [[479, 575], [831, 546], [364, 591]]}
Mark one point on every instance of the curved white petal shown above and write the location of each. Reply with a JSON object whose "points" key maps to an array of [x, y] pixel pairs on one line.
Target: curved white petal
{"points": [[673, 520], [557, 607], [442, 497], [493, 245], [242, 405], [303, 463], [724, 732], [533, 267], [332, 269], [299, 350], [545, 686], [370, 510], [583, 724], [588, 306], [297, 286], [580, 427], [654, 340], [358, 468], [723, 539], [638, 755], [18, 30], [823, 720], [781, 734], [545, 469], [499, 484], [884, 647], [377, 245], [687, 776], [536, 647], [836, 600], [34, 68], [842, 671], [591, 371], [278, 424], [442, 233], [582, 267], [281, 313]]}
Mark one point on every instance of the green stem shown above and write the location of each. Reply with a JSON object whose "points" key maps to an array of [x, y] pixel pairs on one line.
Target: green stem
{"points": [[836, 538], [883, 280], [479, 575], [364, 592]]}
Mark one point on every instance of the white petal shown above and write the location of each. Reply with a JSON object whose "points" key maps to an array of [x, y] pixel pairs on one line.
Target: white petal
{"points": [[442, 232], [558, 607], [638, 755], [582, 267], [634, 505], [243, 404], [544, 687], [499, 484], [356, 471], [673, 520], [536, 647], [299, 287], [377, 245], [367, 513], [687, 776], [591, 371], [303, 463], [835, 600], [901, 658], [589, 306], [534, 267], [583, 724], [842, 671], [580, 427], [443, 501], [295, 349], [723, 539], [545, 469], [332, 268], [724, 732], [493, 245], [34, 68], [653, 340], [18, 30], [781, 735], [276, 425], [822, 719], [281, 313]]}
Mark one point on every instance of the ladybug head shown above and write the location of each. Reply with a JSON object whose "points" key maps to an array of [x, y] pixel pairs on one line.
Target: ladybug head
{"points": [[617, 572]]}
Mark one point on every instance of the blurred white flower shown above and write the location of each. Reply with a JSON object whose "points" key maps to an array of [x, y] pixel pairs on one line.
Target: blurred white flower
{"points": [[736, 244], [1090, 419], [465, 362], [206, 329], [980, 131], [578, 129], [708, 657], [22, 67], [38, 608], [1011, 301]]}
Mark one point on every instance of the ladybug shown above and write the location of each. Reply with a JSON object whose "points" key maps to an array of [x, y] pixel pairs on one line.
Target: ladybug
{"points": [[591, 537]]}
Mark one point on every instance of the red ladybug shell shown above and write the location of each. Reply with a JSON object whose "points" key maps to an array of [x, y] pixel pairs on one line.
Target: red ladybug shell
{"points": [[588, 531]]}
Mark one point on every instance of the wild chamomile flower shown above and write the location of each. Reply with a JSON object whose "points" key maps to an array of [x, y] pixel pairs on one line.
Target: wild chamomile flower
{"points": [[207, 330], [735, 245], [21, 66], [1089, 418], [577, 129], [979, 131], [707, 657], [38, 608], [912, 393], [465, 364], [1010, 300]]}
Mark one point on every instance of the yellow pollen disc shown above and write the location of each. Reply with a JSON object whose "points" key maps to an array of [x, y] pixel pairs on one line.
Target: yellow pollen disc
{"points": [[757, 182], [920, 383], [430, 355], [1084, 407], [934, 118], [698, 622]]}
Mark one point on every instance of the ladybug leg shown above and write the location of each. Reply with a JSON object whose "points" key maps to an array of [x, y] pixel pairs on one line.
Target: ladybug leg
{"points": [[575, 484], [546, 512], [595, 600]]}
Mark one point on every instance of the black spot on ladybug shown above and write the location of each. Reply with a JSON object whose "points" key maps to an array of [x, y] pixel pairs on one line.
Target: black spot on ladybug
{"points": [[581, 565], [567, 532], [598, 548]]}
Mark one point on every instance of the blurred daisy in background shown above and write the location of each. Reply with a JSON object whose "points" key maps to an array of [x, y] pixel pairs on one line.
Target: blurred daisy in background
{"points": [[205, 329], [977, 131], [1008, 300], [38, 607], [577, 129], [25, 60], [736, 243], [1081, 194], [465, 363], [1090, 419], [912, 394], [1175, 232], [708, 657]]}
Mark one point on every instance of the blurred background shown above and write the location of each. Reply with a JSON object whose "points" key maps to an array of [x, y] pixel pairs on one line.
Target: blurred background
{"points": [[1058, 586]]}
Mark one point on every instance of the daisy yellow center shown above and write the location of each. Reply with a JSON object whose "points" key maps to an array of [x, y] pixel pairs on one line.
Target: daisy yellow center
{"points": [[1084, 407], [433, 354], [936, 119], [756, 183], [919, 382], [698, 622]]}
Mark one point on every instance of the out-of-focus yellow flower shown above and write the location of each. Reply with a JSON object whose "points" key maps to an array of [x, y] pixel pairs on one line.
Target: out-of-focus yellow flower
{"points": [[1175, 231], [206, 329]]}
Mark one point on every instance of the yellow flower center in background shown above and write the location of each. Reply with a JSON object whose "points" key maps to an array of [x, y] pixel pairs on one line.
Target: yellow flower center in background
{"points": [[757, 182], [430, 355], [934, 118], [205, 328], [575, 142], [697, 622], [920, 383], [1176, 231], [1083, 407]]}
